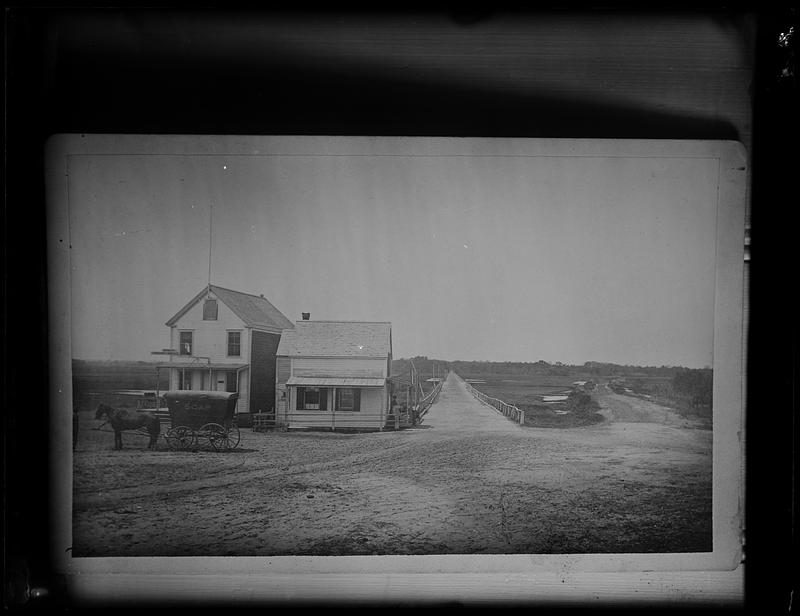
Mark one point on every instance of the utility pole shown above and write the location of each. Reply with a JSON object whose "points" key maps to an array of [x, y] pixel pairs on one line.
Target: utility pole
{"points": [[413, 381]]}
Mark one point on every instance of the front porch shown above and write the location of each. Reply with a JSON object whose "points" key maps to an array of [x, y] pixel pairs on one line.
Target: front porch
{"points": [[211, 377], [327, 403]]}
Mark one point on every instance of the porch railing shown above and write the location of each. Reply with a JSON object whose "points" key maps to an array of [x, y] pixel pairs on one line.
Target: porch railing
{"points": [[329, 420]]}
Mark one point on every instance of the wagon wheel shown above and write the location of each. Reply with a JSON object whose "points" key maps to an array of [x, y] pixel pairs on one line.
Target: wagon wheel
{"points": [[216, 435], [208, 434], [233, 436], [180, 438]]}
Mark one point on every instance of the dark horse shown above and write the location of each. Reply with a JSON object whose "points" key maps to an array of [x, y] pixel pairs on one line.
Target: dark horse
{"points": [[122, 419]]}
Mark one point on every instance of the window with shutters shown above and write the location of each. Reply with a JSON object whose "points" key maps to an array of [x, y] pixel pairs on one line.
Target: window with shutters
{"points": [[312, 399]]}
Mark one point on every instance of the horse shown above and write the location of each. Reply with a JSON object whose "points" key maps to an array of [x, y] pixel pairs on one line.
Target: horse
{"points": [[122, 419]]}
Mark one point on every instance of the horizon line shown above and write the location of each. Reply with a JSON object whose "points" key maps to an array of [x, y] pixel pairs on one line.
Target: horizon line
{"points": [[452, 361]]}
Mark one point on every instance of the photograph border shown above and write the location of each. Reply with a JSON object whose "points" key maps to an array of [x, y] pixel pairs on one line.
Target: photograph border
{"points": [[717, 575]]}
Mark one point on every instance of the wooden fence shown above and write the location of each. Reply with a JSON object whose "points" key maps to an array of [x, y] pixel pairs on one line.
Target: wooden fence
{"points": [[509, 410], [261, 422]]}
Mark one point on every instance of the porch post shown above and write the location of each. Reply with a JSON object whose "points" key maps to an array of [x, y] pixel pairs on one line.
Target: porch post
{"points": [[382, 420], [333, 410]]}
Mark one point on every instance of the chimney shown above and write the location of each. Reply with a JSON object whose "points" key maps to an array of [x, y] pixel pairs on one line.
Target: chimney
{"points": [[306, 316]]}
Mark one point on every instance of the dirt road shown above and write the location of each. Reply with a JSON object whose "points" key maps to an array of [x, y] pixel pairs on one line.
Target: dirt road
{"points": [[622, 408], [466, 481]]}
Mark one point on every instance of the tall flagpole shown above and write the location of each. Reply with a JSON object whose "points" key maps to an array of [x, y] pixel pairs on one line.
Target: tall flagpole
{"points": [[210, 223]]}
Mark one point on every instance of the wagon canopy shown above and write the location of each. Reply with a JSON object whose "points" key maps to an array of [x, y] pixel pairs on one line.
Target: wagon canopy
{"points": [[196, 408]]}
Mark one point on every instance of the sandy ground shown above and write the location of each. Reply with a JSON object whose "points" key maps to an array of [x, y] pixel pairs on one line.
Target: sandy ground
{"points": [[466, 481]]}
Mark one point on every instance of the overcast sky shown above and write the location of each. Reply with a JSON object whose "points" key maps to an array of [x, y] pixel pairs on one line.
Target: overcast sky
{"points": [[472, 256]]}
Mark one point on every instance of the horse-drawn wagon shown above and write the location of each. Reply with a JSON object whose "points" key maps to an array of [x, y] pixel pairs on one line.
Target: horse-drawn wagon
{"points": [[202, 419]]}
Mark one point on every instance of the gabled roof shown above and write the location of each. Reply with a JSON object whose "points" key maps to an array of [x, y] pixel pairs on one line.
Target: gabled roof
{"points": [[337, 339], [254, 310]]}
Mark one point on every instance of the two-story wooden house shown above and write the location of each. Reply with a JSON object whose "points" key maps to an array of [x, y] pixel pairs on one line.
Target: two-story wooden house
{"points": [[226, 340], [334, 374]]}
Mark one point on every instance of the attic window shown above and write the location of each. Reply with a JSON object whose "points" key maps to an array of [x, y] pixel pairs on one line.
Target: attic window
{"points": [[210, 310]]}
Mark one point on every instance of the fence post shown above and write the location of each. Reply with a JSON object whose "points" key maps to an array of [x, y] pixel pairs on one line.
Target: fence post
{"points": [[522, 417]]}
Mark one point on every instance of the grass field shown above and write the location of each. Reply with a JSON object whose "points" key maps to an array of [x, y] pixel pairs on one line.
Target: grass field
{"points": [[659, 389], [527, 393], [524, 385], [519, 391]]}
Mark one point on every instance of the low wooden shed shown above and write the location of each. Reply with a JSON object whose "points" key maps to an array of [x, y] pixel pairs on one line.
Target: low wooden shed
{"points": [[334, 375]]}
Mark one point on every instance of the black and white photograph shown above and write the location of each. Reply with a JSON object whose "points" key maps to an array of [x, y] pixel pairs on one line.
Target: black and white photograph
{"points": [[449, 307], [333, 346]]}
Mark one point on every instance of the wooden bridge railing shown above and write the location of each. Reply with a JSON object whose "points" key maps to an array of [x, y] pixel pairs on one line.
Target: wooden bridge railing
{"points": [[425, 404], [509, 410]]}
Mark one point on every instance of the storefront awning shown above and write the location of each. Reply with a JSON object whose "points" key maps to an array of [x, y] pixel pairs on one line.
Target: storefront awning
{"points": [[322, 381]]}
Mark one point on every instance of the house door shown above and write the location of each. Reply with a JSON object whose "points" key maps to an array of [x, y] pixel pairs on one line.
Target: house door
{"points": [[230, 381]]}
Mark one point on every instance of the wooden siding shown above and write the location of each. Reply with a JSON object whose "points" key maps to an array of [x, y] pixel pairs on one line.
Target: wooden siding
{"points": [[262, 384], [243, 404], [210, 338], [283, 367], [339, 367]]}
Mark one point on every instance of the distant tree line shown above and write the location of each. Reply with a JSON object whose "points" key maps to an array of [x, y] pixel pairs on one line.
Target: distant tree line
{"points": [[541, 367], [95, 375]]}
